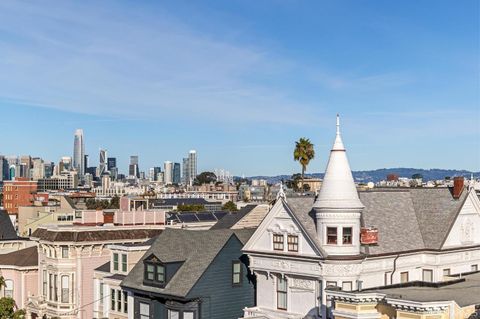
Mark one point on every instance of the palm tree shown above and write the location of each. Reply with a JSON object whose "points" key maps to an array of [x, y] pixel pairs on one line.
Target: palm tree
{"points": [[303, 153], [2, 282]]}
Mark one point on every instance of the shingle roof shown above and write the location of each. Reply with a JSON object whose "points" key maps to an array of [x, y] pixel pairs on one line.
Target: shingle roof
{"points": [[407, 219], [195, 248], [104, 268], [100, 234], [21, 258], [7, 231], [232, 218]]}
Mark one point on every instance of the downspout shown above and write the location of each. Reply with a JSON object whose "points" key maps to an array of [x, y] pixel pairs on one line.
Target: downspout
{"points": [[394, 269]]}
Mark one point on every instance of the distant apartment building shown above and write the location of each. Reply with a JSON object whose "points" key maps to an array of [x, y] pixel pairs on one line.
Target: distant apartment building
{"points": [[176, 173], [64, 181], [189, 171], [168, 172], [133, 169], [19, 192]]}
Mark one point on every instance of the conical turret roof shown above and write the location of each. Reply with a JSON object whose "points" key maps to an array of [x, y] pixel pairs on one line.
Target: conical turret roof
{"points": [[338, 189]]}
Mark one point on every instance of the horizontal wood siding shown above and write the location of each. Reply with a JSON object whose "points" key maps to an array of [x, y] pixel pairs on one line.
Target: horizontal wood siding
{"points": [[219, 299]]}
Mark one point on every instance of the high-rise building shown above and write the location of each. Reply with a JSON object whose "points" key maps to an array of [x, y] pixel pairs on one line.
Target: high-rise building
{"points": [[133, 169], [38, 170], [176, 173], [111, 163], [153, 173], [102, 163], [192, 166], [168, 169], [185, 177], [3, 169], [79, 153]]}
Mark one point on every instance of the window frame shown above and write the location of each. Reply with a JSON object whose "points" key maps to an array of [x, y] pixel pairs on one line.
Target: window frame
{"points": [[65, 252], [292, 242], [282, 292], [428, 272], [404, 273], [332, 236], [140, 314], [124, 262], [350, 242], [239, 273], [474, 268], [156, 265], [125, 301], [10, 291], [115, 261], [65, 291], [277, 244]]}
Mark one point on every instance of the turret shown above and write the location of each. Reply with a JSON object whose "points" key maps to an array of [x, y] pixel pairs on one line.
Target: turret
{"points": [[338, 207]]}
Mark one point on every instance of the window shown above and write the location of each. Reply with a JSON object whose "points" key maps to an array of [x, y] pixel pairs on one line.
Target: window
{"points": [[278, 242], [188, 315], [160, 274], [404, 277], [64, 251], [115, 261], [236, 272], [347, 235], [282, 293], [386, 278], [44, 278], [332, 283], [347, 286], [119, 300], [125, 302], [427, 275], [112, 299], [172, 314], [50, 287], [332, 235], [144, 310], [100, 293], [154, 272], [446, 273], [474, 268], [292, 241], [150, 272], [9, 288], [64, 289], [55, 288], [124, 262]]}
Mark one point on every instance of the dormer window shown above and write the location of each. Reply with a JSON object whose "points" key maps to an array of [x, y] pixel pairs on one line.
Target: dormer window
{"points": [[332, 235], [278, 242], [154, 272], [292, 241]]}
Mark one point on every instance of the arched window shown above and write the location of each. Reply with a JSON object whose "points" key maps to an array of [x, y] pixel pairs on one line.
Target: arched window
{"points": [[9, 288]]}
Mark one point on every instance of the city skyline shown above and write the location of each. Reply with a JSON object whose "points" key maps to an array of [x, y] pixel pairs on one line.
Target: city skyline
{"points": [[240, 83]]}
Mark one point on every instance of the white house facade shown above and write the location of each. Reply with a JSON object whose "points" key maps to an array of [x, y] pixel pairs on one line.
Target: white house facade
{"points": [[305, 244]]}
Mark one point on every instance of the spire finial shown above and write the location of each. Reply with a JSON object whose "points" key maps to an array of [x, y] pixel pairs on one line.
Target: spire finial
{"points": [[281, 192], [338, 124]]}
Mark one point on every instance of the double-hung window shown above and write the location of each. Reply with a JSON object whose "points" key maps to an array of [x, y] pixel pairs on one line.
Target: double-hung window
{"points": [[119, 300], [278, 242], [9, 288], [154, 272], [65, 289], [115, 261], [292, 241], [112, 299], [427, 275], [64, 251], [236, 272], [332, 235], [124, 262], [144, 310], [125, 302], [347, 235], [282, 293], [173, 314]]}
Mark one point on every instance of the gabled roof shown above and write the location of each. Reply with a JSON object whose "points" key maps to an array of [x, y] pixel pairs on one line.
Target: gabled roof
{"points": [[7, 231], [27, 257], [196, 249]]}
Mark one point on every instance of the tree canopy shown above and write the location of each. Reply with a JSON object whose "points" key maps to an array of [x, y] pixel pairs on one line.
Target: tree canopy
{"points": [[92, 203], [205, 178], [230, 206], [303, 153]]}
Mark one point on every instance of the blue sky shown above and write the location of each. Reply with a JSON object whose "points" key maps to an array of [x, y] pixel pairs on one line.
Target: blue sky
{"points": [[241, 80]]}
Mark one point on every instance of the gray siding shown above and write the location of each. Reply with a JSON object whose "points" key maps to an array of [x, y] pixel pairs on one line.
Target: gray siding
{"points": [[219, 299]]}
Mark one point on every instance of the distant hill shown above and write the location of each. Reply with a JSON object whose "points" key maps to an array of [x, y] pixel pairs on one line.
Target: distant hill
{"points": [[381, 174]]}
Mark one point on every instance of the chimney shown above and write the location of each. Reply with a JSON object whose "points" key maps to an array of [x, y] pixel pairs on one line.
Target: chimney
{"points": [[457, 186]]}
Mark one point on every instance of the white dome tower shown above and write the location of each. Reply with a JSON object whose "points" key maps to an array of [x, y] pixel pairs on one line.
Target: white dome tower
{"points": [[337, 207]]}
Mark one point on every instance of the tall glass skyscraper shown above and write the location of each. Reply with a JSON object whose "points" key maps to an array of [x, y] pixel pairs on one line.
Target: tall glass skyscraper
{"points": [[192, 166], [79, 153]]}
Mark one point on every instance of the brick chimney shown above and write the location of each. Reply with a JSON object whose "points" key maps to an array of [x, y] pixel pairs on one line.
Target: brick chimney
{"points": [[457, 186]]}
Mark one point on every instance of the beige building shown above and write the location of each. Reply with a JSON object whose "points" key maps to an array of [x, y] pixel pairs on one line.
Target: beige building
{"points": [[457, 298], [31, 217]]}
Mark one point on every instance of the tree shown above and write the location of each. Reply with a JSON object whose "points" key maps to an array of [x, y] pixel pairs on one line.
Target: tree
{"points": [[191, 208], [230, 206], [8, 309], [303, 153], [417, 176], [115, 202], [205, 178], [2, 282]]}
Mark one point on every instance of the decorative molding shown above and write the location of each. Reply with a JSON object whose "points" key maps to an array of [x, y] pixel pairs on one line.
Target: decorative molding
{"points": [[341, 270]]}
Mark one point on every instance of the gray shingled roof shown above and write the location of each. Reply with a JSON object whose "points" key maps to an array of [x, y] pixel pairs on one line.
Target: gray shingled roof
{"points": [[407, 219], [7, 231], [231, 219], [27, 257], [195, 248]]}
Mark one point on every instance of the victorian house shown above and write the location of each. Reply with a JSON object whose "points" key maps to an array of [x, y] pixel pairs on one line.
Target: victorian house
{"points": [[358, 239]]}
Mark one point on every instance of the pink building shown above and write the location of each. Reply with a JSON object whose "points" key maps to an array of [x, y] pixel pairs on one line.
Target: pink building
{"points": [[20, 271], [67, 258]]}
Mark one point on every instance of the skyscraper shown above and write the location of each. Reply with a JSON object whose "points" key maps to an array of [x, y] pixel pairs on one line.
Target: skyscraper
{"points": [[185, 177], [111, 163], [79, 153], [176, 173], [102, 163], [192, 166], [133, 169], [168, 169]]}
